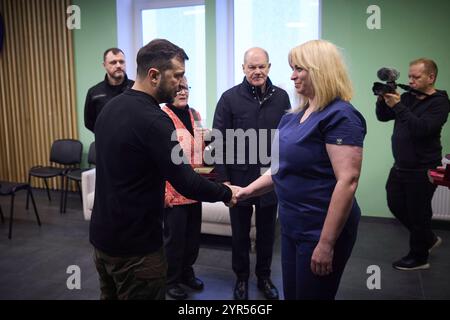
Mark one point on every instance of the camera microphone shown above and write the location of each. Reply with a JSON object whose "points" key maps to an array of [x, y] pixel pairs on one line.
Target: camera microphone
{"points": [[388, 74]]}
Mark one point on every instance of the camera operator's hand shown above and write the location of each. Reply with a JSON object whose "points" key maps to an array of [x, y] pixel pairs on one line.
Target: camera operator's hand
{"points": [[391, 99]]}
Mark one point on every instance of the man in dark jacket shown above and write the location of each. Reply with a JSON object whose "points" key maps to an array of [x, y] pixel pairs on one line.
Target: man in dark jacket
{"points": [[115, 82], [256, 105], [416, 147]]}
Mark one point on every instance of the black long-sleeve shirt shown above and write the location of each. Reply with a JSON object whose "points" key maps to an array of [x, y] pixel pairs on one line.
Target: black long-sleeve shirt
{"points": [[416, 140], [134, 150]]}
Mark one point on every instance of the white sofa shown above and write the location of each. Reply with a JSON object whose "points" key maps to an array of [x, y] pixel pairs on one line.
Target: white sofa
{"points": [[216, 220], [215, 216], [88, 192]]}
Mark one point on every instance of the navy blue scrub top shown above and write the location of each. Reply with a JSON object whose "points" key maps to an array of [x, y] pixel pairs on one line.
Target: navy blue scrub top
{"points": [[303, 175]]}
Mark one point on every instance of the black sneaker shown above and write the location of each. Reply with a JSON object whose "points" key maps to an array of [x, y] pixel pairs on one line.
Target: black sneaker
{"points": [[410, 263], [436, 244]]}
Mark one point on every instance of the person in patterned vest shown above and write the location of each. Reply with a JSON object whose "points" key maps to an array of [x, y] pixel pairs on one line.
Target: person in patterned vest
{"points": [[183, 216]]}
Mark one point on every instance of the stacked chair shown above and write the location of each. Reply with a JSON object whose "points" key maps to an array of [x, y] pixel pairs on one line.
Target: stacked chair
{"points": [[67, 154]]}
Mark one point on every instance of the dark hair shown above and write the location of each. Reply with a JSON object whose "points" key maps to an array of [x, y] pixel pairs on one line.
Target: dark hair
{"points": [[158, 54], [113, 50]]}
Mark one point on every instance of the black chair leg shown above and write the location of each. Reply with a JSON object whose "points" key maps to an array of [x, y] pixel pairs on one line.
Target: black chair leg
{"points": [[61, 203], [66, 191], [34, 206], [48, 190], [79, 190], [28, 197], [1, 215], [11, 216]]}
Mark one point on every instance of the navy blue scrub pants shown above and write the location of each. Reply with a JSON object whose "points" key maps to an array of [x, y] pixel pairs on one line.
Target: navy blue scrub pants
{"points": [[299, 283]]}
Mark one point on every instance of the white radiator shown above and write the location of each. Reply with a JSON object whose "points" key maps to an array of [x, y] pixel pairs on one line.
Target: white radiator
{"points": [[441, 203]]}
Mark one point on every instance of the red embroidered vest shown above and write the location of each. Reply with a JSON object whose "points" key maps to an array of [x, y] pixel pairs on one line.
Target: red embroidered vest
{"points": [[192, 148]]}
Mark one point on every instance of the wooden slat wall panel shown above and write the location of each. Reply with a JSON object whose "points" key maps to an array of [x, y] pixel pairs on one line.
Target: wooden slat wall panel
{"points": [[37, 85]]}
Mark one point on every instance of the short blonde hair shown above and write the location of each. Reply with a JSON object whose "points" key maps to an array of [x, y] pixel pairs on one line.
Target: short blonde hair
{"points": [[327, 70], [429, 66]]}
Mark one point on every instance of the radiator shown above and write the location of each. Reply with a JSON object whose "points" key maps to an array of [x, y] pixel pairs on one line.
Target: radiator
{"points": [[441, 203]]}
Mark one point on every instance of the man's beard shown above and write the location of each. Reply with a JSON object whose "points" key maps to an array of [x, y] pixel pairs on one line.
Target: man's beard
{"points": [[119, 76], [165, 94]]}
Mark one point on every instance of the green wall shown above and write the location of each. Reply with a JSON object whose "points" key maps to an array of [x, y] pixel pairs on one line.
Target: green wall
{"points": [[211, 63], [409, 29], [97, 33]]}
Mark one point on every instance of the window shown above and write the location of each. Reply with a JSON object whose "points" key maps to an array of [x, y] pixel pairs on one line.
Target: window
{"points": [[182, 23], [276, 26]]}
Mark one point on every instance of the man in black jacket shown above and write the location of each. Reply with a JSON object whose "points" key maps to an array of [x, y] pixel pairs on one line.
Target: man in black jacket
{"points": [[134, 147], [257, 105], [115, 82], [416, 147]]}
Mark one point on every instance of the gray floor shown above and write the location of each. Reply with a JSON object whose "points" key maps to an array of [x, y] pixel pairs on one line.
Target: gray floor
{"points": [[33, 264]]}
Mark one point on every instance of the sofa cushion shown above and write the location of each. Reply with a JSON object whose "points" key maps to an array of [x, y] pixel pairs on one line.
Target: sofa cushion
{"points": [[215, 212]]}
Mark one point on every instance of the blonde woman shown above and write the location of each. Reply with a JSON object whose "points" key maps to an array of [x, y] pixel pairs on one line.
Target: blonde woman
{"points": [[320, 155]]}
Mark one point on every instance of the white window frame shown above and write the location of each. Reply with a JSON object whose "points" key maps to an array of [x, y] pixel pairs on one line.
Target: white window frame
{"points": [[225, 58], [140, 5], [224, 49], [129, 24]]}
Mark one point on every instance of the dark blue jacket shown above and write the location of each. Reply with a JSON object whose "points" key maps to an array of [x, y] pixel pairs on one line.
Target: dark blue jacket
{"points": [[245, 107]]}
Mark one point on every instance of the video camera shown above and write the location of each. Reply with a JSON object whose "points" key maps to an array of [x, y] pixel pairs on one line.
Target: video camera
{"points": [[390, 75]]}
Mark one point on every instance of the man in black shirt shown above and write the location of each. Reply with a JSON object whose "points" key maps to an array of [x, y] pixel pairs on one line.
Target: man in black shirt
{"points": [[115, 82], [416, 147], [133, 146]]}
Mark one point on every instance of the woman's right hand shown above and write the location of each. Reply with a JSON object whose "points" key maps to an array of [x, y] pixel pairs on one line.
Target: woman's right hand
{"points": [[243, 194], [322, 259]]}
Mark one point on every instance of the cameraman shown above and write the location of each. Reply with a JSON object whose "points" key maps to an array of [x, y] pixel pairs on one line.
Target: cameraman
{"points": [[416, 147]]}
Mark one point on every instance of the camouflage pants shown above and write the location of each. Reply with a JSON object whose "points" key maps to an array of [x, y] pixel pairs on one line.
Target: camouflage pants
{"points": [[132, 278]]}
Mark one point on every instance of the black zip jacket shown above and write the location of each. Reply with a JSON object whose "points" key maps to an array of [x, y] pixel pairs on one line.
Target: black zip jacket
{"points": [[416, 140], [245, 107], [98, 96]]}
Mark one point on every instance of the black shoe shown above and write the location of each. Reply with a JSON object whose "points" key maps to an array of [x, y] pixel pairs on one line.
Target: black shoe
{"points": [[268, 288], [410, 263], [177, 293], [241, 290], [193, 283]]}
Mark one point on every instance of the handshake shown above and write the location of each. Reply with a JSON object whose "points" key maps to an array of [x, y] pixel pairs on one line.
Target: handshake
{"points": [[239, 194]]}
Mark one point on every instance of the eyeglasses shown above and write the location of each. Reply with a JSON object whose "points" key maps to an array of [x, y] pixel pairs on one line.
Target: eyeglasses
{"points": [[185, 89]]}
